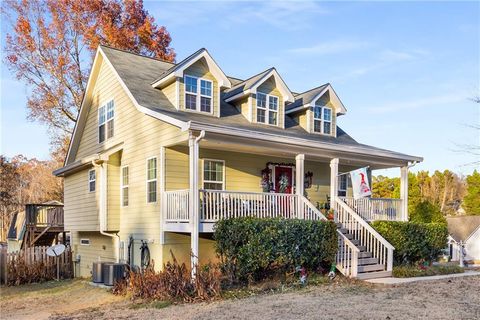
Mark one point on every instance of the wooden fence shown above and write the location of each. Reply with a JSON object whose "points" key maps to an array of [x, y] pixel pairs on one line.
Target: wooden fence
{"points": [[33, 265]]}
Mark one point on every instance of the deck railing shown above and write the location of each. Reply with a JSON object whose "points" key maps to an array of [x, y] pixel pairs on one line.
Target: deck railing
{"points": [[372, 209], [43, 215], [176, 205], [364, 233]]}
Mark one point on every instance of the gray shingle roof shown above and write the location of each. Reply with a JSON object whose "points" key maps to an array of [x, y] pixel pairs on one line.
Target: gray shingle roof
{"points": [[245, 85], [138, 72], [306, 97], [460, 228]]}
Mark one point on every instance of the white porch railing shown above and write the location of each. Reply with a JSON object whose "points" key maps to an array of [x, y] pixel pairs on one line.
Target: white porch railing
{"points": [[219, 204], [365, 234], [176, 205], [372, 209]]}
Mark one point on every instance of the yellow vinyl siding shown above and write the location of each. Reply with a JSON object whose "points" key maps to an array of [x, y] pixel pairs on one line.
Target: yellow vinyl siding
{"points": [[113, 191], [270, 87], [81, 206], [200, 70], [244, 107], [170, 91], [101, 248]]}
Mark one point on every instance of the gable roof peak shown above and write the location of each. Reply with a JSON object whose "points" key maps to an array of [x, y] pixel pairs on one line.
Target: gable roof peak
{"points": [[178, 69]]}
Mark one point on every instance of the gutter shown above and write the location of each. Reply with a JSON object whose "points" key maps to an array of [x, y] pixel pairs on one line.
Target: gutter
{"points": [[296, 141], [102, 213]]}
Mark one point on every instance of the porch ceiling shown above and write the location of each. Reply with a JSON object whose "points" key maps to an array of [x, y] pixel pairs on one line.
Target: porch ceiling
{"points": [[346, 156]]}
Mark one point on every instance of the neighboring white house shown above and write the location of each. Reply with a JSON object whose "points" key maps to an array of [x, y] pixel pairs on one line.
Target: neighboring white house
{"points": [[466, 230]]}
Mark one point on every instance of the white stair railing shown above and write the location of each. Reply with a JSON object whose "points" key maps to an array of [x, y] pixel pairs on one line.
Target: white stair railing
{"points": [[372, 209], [365, 234], [347, 256], [176, 205]]}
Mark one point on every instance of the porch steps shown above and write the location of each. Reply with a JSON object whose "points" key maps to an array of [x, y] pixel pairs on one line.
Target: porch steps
{"points": [[368, 266]]}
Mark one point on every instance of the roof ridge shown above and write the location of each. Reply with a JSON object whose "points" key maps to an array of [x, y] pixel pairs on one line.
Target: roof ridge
{"points": [[318, 87], [136, 54]]}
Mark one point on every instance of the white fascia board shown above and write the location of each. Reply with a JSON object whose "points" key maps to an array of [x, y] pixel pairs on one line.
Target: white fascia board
{"points": [[212, 65], [297, 141], [238, 95], [81, 114], [141, 108], [287, 94], [329, 88]]}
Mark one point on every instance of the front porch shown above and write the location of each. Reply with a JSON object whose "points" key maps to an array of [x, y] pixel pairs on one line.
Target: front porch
{"points": [[234, 177]]}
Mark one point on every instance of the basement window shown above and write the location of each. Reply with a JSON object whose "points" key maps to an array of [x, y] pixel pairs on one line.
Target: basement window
{"points": [[85, 242]]}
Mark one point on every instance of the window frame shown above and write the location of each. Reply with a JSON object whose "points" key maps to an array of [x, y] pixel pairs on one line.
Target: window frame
{"points": [[267, 108], [106, 120], [151, 180], [322, 119], [123, 186], [85, 242], [94, 180], [198, 94], [211, 181], [340, 176]]}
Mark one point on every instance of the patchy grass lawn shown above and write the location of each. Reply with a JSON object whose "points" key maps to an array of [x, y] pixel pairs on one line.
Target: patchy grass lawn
{"points": [[341, 299]]}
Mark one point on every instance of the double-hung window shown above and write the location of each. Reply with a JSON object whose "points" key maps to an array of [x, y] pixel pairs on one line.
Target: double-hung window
{"points": [[152, 180], [124, 181], [267, 108], [213, 174], [106, 115], [342, 185], [198, 94], [322, 119], [92, 177]]}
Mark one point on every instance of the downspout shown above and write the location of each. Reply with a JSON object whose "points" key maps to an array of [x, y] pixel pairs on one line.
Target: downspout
{"points": [[102, 213]]}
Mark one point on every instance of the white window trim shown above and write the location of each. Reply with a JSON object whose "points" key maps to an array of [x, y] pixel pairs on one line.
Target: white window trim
{"points": [[87, 242], [346, 183], [147, 180], [104, 104], [198, 94], [90, 181], [210, 181], [122, 186], [322, 120], [267, 109]]}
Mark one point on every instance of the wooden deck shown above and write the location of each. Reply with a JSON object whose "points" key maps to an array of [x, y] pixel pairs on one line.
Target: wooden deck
{"points": [[43, 225]]}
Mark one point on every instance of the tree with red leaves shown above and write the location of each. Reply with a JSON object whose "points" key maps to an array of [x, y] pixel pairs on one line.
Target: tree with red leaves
{"points": [[52, 44]]}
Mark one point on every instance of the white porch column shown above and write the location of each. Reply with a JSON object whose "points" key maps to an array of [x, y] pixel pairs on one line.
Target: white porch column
{"points": [[333, 181], [163, 204], [194, 201], [299, 182], [404, 192]]}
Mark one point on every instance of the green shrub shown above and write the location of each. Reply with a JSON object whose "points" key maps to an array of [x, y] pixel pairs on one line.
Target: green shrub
{"points": [[254, 249], [417, 271], [427, 212], [413, 242]]}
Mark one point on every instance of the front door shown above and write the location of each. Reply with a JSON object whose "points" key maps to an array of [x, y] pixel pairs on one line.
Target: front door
{"points": [[283, 179]]}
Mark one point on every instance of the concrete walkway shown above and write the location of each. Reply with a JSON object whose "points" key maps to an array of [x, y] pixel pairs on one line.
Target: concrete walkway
{"points": [[392, 280]]}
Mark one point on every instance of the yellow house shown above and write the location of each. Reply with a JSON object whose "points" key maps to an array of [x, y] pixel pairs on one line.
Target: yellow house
{"points": [[161, 151]]}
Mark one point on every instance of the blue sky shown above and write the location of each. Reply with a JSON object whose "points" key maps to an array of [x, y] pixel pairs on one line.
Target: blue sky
{"points": [[404, 70]]}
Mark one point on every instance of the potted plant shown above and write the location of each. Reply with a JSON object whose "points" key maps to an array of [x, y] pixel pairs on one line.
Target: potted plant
{"points": [[330, 214]]}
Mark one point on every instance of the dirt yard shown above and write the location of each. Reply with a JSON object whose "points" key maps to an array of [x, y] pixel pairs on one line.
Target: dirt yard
{"points": [[447, 299]]}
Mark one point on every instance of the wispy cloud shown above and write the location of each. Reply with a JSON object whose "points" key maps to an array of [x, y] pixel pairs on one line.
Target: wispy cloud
{"points": [[431, 101], [383, 59], [285, 15], [330, 47]]}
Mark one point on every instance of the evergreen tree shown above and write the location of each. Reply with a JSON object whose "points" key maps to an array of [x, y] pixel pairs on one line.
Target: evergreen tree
{"points": [[471, 201]]}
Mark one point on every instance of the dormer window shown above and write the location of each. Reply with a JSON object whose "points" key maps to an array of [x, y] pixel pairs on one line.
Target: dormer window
{"points": [[267, 108], [322, 119], [195, 99]]}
